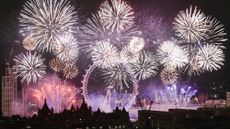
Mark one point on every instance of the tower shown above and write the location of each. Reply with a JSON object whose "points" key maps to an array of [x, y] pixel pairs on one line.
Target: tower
{"points": [[9, 90]]}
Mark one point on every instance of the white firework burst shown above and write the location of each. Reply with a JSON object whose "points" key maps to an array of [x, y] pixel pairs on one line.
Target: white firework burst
{"points": [[169, 75], [29, 67], [116, 15], [128, 56], [191, 25], [94, 31], [70, 71], [216, 33], [67, 49], [117, 76], [169, 54], [210, 57], [46, 21], [104, 54], [146, 66], [136, 44]]}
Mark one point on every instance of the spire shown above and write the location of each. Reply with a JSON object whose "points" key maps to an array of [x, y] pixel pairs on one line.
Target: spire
{"points": [[72, 108], [124, 110], [45, 106], [83, 105], [98, 110]]}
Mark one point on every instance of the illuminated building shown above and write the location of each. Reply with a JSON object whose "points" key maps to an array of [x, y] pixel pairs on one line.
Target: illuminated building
{"points": [[9, 91]]}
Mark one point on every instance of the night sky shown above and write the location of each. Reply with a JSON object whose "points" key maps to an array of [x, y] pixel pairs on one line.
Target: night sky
{"points": [[10, 38]]}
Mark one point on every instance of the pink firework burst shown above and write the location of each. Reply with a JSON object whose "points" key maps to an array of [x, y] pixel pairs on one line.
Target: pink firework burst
{"points": [[59, 95]]}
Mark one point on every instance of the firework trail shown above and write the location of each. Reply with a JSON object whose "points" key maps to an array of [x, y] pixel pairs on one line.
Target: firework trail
{"points": [[178, 96]]}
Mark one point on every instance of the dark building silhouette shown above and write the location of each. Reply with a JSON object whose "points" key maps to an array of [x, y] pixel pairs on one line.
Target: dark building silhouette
{"points": [[45, 111], [74, 118], [84, 118], [203, 118]]}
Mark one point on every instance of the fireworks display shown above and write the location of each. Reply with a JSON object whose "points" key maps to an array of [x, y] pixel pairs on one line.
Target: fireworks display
{"points": [[67, 49], [191, 25], [104, 54], [169, 75], [29, 67], [47, 21], [210, 57], [123, 49], [127, 55], [92, 32], [70, 71], [136, 44], [172, 55], [114, 22], [56, 64], [117, 76], [179, 97], [113, 98], [116, 15], [146, 66], [58, 94], [195, 67], [216, 34], [29, 44]]}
